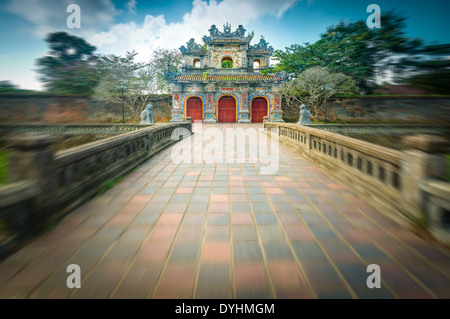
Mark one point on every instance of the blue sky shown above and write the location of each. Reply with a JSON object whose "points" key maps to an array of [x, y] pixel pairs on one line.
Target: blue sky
{"points": [[115, 26]]}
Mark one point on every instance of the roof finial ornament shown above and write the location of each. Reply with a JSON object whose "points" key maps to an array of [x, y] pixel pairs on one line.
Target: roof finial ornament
{"points": [[227, 28]]}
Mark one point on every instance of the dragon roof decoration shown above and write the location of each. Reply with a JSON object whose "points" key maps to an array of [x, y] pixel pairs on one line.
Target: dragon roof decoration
{"points": [[237, 35]]}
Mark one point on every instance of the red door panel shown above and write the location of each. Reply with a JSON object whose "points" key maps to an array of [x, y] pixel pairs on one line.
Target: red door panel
{"points": [[194, 109], [227, 110], [259, 109]]}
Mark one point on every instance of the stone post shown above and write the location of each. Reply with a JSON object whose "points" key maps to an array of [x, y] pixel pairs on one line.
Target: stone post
{"points": [[32, 160], [423, 159]]}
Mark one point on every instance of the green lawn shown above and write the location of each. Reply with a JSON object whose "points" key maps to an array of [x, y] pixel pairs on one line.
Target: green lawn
{"points": [[4, 158]]}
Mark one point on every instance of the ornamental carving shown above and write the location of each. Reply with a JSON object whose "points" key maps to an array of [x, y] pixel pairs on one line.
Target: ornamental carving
{"points": [[262, 46], [191, 46], [215, 33]]}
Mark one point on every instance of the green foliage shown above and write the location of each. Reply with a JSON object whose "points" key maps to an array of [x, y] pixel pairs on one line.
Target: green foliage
{"points": [[353, 49], [163, 61], [429, 70], [447, 156], [205, 75], [314, 85], [70, 66], [109, 184], [123, 80], [227, 64], [4, 165], [8, 86]]}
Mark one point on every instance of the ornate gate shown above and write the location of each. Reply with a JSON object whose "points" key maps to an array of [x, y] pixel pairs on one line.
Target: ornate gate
{"points": [[194, 109], [227, 110], [259, 109]]}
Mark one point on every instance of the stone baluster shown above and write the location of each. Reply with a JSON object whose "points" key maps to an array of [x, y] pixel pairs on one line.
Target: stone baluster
{"points": [[32, 160], [422, 160]]}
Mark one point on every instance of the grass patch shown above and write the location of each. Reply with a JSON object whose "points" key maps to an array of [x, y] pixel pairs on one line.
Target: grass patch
{"points": [[109, 184], [447, 175], [4, 167]]}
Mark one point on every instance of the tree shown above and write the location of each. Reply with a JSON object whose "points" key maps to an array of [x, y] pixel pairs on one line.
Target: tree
{"points": [[353, 49], [314, 85], [227, 64], [163, 61], [429, 70], [70, 66], [8, 86], [139, 79]]}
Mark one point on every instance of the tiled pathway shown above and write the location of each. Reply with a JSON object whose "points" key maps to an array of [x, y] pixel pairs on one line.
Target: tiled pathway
{"points": [[207, 230]]}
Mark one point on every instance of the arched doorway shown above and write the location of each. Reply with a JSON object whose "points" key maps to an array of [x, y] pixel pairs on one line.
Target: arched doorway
{"points": [[226, 112], [259, 109], [194, 109], [227, 63]]}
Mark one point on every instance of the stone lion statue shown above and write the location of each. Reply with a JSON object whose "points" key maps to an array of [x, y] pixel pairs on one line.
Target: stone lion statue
{"points": [[305, 116], [147, 115]]}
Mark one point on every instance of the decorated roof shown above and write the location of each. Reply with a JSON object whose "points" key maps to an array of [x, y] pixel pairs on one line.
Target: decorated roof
{"points": [[237, 36], [261, 47], [176, 77], [192, 48]]}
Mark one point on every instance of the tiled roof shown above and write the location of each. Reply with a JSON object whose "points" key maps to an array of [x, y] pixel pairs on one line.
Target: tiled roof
{"points": [[225, 78], [228, 40]]}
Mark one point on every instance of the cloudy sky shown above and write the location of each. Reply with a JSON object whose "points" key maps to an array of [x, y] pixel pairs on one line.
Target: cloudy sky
{"points": [[115, 26]]}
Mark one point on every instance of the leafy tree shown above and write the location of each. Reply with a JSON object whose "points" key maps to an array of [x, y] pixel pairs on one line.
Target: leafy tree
{"points": [[137, 78], [314, 85], [227, 64], [429, 70], [8, 86], [353, 49], [70, 66], [163, 61]]}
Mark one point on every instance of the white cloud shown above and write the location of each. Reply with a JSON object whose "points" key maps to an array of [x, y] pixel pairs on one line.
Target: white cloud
{"points": [[154, 32], [131, 6], [49, 15], [98, 28]]}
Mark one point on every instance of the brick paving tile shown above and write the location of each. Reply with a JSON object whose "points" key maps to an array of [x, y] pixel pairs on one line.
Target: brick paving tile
{"points": [[216, 252], [288, 281], [226, 230], [214, 281], [243, 233], [139, 282], [177, 281], [251, 281], [217, 233]]}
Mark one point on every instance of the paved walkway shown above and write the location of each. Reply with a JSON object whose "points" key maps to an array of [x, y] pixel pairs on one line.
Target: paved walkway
{"points": [[217, 230]]}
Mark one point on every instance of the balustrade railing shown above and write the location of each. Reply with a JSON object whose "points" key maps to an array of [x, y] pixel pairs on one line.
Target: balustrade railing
{"points": [[47, 185]]}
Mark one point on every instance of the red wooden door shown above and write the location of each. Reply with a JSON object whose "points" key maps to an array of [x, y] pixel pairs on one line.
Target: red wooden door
{"points": [[194, 109], [227, 110], [259, 109]]}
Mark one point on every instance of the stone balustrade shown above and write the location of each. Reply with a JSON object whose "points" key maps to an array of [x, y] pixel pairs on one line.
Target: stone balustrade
{"points": [[57, 128], [16, 205], [388, 178], [400, 129], [436, 205], [47, 185]]}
